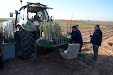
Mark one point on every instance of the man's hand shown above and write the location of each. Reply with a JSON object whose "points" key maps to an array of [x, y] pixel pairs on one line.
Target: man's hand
{"points": [[90, 35], [68, 33]]}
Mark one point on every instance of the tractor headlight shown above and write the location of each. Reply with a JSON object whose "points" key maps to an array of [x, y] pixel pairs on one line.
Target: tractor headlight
{"points": [[32, 24], [28, 23]]}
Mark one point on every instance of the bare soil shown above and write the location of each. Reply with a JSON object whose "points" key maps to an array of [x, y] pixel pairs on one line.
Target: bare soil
{"points": [[83, 23], [2, 20], [54, 64]]}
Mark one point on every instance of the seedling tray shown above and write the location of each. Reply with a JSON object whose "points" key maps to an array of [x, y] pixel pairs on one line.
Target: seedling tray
{"points": [[49, 45]]}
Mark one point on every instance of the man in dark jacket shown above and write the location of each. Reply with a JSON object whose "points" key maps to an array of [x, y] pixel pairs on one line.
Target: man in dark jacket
{"points": [[76, 37], [96, 41]]}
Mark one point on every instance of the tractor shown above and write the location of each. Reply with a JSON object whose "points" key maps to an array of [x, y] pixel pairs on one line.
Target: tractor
{"points": [[26, 25]]}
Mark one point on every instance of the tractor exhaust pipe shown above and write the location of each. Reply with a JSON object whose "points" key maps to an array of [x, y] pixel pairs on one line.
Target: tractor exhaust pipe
{"points": [[21, 2]]}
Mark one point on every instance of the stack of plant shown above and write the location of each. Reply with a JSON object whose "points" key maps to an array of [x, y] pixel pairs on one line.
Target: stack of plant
{"points": [[1, 33], [10, 31], [51, 33], [7, 32]]}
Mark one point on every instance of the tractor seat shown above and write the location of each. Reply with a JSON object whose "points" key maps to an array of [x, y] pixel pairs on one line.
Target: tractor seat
{"points": [[71, 52]]}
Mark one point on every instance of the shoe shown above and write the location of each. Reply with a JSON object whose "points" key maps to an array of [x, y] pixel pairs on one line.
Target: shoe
{"points": [[94, 59]]}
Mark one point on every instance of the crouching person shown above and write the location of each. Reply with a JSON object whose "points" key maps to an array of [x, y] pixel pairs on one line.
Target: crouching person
{"points": [[96, 41], [76, 36]]}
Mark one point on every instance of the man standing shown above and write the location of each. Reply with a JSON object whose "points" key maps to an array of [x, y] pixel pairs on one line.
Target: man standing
{"points": [[76, 36], [96, 41]]}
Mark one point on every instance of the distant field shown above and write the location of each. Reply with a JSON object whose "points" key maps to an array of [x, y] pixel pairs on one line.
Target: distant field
{"points": [[83, 23], [82, 26], [6, 18]]}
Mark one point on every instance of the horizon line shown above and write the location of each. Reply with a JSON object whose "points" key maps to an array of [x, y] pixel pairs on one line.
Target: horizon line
{"points": [[72, 20]]}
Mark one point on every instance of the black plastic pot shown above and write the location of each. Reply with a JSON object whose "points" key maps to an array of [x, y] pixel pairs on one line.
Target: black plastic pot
{"points": [[6, 41], [11, 40], [52, 42]]}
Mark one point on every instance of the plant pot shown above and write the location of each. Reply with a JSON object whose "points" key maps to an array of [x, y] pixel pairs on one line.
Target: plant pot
{"points": [[56, 42], [60, 41], [11, 40], [52, 42], [6, 41]]}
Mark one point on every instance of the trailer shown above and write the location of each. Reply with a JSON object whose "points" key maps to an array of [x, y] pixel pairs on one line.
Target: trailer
{"points": [[63, 48]]}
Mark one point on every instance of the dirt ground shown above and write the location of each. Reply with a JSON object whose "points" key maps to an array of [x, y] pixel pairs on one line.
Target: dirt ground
{"points": [[2, 20], [83, 23], [54, 64]]}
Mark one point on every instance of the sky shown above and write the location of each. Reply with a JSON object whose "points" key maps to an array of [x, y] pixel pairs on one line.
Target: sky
{"points": [[99, 10]]}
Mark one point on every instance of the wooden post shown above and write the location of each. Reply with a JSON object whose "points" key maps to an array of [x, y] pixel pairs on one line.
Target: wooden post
{"points": [[21, 2], [70, 27], [67, 26], [90, 43]]}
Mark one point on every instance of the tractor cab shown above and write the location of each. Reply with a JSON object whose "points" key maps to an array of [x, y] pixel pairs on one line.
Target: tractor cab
{"points": [[30, 16], [34, 13]]}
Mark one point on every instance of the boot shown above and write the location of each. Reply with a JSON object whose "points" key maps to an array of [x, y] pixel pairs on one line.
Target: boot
{"points": [[95, 58]]}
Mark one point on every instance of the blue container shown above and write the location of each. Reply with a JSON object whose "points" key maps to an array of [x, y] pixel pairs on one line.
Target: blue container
{"points": [[8, 51]]}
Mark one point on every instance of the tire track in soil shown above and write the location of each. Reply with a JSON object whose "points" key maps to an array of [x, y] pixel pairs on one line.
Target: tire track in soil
{"points": [[105, 49], [106, 35]]}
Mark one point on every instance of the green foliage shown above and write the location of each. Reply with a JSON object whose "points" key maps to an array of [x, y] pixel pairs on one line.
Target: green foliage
{"points": [[51, 30]]}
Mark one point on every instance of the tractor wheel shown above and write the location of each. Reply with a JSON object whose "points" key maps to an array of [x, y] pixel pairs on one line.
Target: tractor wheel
{"points": [[24, 44]]}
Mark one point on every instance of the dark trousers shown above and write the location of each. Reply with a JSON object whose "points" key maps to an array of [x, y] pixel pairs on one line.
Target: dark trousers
{"points": [[1, 63], [95, 49], [80, 48]]}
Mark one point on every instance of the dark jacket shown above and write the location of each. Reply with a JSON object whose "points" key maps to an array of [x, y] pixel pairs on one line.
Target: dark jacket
{"points": [[76, 37], [97, 37]]}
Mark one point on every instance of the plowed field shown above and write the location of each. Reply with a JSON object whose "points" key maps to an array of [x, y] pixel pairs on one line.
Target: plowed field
{"points": [[53, 63]]}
